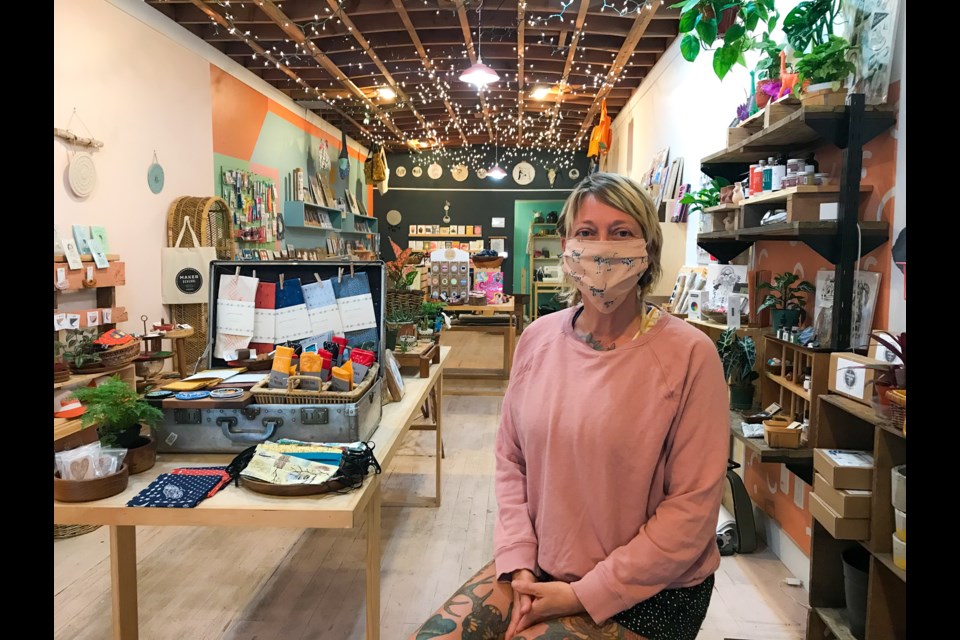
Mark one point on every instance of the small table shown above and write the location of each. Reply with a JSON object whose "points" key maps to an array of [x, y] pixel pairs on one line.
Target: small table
{"points": [[239, 507], [508, 330]]}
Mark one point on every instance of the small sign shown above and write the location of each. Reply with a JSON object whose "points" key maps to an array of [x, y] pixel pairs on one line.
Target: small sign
{"points": [[189, 280], [498, 223]]}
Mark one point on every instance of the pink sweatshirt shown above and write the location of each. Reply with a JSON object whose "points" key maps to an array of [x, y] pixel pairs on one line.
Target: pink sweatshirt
{"points": [[611, 464]]}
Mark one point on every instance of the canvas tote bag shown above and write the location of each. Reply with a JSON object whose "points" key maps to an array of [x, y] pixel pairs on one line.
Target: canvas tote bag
{"points": [[185, 270]]}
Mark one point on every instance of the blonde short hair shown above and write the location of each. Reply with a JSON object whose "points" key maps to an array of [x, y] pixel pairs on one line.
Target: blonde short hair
{"points": [[626, 195]]}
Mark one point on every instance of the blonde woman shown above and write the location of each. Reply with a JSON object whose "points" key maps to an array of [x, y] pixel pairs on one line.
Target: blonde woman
{"points": [[611, 453]]}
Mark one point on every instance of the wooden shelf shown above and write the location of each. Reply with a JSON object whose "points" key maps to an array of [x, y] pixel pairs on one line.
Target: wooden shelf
{"points": [[548, 285], [85, 257], [886, 559], [766, 452], [804, 129], [553, 259], [550, 237], [360, 215], [861, 411], [795, 346], [836, 621], [782, 195], [312, 227], [792, 387], [544, 224], [710, 324], [722, 208], [822, 237], [82, 379]]}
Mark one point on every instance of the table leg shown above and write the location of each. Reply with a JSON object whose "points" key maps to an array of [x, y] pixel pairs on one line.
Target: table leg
{"points": [[123, 581], [179, 346], [373, 566], [438, 421]]}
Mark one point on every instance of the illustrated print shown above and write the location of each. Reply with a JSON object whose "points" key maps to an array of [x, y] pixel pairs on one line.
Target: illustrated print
{"points": [[723, 286], [173, 492], [575, 255], [598, 293], [601, 262], [850, 378]]}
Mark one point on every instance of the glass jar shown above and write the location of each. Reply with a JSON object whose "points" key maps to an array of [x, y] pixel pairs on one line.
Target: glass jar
{"points": [[795, 165]]}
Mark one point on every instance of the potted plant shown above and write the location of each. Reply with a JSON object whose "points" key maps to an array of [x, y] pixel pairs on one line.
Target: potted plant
{"points": [[889, 376], [400, 322], [738, 355], [119, 414], [400, 277], [708, 196], [787, 306], [701, 20], [825, 67], [79, 350], [429, 311], [767, 71]]}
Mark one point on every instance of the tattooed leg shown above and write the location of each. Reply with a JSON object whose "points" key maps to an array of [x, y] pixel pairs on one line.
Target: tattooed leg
{"points": [[579, 627], [479, 610]]}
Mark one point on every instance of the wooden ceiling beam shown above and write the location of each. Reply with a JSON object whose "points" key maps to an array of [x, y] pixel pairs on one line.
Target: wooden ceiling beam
{"points": [[468, 41], [571, 53], [425, 61], [270, 8], [640, 25], [222, 21]]}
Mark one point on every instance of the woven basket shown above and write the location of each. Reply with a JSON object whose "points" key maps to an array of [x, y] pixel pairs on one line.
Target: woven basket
{"points": [[264, 395], [61, 531], [406, 300], [121, 355], [898, 408]]}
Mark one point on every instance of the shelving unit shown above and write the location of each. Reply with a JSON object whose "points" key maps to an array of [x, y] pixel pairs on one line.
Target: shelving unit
{"points": [[847, 424], [295, 215], [537, 243], [446, 235], [803, 128], [789, 393]]}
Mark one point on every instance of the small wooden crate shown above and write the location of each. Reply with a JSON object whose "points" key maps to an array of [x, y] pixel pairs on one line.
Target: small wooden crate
{"points": [[265, 395], [825, 98], [421, 357], [776, 434]]}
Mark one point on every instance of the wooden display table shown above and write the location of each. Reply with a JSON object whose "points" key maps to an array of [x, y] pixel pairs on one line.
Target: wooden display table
{"points": [[239, 507], [508, 330]]}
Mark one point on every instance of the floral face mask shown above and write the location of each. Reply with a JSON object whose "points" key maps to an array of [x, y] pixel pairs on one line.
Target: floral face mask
{"points": [[605, 271]]}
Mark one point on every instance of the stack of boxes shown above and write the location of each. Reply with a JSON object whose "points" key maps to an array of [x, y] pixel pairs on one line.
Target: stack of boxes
{"points": [[842, 491]]}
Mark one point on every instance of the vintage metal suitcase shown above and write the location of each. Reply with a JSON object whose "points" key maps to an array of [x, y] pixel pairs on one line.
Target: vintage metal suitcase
{"points": [[232, 430]]}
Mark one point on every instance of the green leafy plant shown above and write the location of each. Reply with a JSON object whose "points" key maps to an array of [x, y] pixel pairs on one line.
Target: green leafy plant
{"points": [[738, 355], [117, 411], [700, 21], [707, 197], [826, 62], [786, 293], [429, 311], [400, 315], [810, 21], [78, 349], [768, 66], [399, 274]]}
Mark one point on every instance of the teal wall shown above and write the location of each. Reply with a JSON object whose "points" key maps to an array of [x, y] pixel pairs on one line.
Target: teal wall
{"points": [[522, 217]]}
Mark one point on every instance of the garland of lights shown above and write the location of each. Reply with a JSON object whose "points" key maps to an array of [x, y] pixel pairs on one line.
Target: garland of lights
{"points": [[435, 87]]}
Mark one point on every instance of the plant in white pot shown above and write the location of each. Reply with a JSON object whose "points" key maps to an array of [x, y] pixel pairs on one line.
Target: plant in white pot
{"points": [[119, 415]]}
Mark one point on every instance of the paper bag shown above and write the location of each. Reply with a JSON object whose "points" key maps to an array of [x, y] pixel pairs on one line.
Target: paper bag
{"points": [[185, 270]]}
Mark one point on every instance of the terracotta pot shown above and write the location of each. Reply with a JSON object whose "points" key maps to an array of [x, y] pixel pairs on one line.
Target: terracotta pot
{"points": [[142, 458], [762, 98]]}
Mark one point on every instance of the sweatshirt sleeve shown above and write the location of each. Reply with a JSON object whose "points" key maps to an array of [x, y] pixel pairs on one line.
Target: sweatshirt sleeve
{"points": [[683, 527], [514, 539]]}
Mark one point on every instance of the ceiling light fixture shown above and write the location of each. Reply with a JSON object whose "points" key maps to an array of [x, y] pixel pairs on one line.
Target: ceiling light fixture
{"points": [[540, 93], [496, 172], [479, 74], [386, 93]]}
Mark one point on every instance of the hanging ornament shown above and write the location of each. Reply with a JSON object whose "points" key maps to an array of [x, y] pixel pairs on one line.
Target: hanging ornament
{"points": [[155, 175], [82, 174], [344, 159]]}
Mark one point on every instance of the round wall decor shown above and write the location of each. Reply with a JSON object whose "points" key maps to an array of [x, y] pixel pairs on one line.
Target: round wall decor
{"points": [[574, 173], [82, 175], [417, 172], [393, 219], [523, 173], [401, 172], [481, 173], [155, 175], [459, 172], [434, 171]]}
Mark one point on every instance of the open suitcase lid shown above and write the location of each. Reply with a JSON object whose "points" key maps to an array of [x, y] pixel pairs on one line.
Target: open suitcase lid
{"points": [[306, 272]]}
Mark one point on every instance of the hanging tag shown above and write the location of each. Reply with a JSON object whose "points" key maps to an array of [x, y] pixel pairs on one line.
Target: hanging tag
{"points": [[317, 276], [281, 281], [352, 274], [89, 273], [61, 278]]}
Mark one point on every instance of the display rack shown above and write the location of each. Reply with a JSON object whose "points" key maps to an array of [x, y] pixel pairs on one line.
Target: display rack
{"points": [[538, 243], [802, 128], [784, 385], [847, 424]]}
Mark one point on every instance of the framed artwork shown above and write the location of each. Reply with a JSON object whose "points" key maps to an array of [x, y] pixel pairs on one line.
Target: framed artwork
{"points": [[721, 282], [866, 285], [351, 201], [264, 255], [498, 243], [394, 379]]}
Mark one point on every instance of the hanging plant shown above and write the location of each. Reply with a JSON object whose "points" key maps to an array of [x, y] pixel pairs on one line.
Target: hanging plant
{"points": [[810, 21], [700, 21]]}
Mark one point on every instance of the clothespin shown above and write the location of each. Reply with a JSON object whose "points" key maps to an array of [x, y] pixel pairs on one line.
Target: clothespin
{"points": [[352, 274], [236, 274], [317, 276], [254, 273], [281, 281], [340, 275]]}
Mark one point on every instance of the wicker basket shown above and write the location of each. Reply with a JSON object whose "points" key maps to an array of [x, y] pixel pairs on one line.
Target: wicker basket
{"points": [[898, 408], [264, 395], [120, 356], [61, 531], [406, 300], [487, 262]]}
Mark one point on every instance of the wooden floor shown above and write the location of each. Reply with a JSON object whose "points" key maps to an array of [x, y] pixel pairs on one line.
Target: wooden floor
{"points": [[205, 583]]}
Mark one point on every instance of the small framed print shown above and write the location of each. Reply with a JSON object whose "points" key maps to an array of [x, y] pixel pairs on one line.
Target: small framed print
{"points": [[246, 254], [284, 253], [291, 250], [413, 229], [436, 230], [276, 255], [264, 255]]}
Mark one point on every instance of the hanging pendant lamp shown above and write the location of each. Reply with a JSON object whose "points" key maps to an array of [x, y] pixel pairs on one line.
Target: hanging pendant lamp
{"points": [[496, 172], [479, 74]]}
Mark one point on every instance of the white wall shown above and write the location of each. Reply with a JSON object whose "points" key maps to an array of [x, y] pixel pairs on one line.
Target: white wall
{"points": [[137, 92]]}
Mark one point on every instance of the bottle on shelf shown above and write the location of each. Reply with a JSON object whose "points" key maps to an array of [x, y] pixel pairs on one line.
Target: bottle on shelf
{"points": [[756, 178], [768, 175], [777, 173]]}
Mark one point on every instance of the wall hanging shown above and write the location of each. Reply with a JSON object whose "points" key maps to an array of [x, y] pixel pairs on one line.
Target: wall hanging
{"points": [[155, 175], [81, 172]]}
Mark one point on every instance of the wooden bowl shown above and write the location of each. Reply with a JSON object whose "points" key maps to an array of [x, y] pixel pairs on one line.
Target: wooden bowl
{"points": [[142, 458], [89, 490], [487, 262], [291, 490], [721, 318]]}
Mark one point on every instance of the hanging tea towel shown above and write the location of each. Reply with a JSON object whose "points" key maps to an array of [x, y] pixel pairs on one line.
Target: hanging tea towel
{"points": [[293, 321], [324, 314], [356, 310], [235, 315], [264, 318]]}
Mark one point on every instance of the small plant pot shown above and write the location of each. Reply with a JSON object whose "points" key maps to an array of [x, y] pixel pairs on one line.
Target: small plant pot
{"points": [[142, 458], [784, 318], [90, 490], [741, 397]]}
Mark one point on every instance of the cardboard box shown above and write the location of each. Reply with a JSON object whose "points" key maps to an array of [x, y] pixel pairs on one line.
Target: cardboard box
{"points": [[851, 376], [844, 469], [848, 503], [840, 528]]}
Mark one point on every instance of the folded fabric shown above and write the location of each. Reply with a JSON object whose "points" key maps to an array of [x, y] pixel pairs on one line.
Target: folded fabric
{"points": [[265, 318], [235, 315], [278, 468], [170, 490], [220, 472]]}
